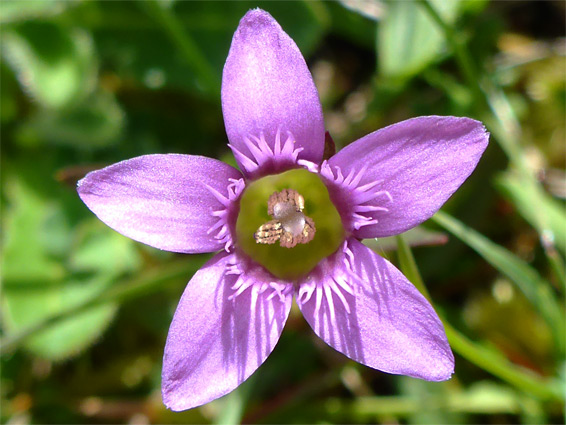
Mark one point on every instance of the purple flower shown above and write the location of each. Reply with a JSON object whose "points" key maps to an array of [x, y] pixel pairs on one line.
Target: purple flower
{"points": [[233, 310]]}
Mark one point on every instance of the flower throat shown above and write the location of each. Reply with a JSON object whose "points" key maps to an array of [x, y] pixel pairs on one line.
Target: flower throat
{"points": [[273, 227]]}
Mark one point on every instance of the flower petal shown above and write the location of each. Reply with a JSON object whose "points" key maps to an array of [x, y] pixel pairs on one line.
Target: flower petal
{"points": [[366, 309], [267, 88], [219, 335], [408, 170], [164, 201]]}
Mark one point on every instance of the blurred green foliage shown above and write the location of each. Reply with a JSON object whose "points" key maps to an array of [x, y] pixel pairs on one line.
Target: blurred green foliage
{"points": [[85, 311]]}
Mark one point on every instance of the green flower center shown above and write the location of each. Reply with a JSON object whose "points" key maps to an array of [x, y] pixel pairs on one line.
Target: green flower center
{"points": [[277, 220]]}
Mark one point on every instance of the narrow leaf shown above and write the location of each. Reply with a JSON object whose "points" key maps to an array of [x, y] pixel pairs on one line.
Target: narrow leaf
{"points": [[542, 212], [408, 39], [55, 66], [486, 358], [537, 290]]}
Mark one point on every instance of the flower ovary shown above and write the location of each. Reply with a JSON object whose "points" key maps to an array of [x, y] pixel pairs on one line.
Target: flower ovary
{"points": [[289, 226]]}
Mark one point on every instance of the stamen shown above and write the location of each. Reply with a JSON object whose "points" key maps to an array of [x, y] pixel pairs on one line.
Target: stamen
{"points": [[290, 225], [348, 191], [269, 232], [259, 157], [221, 229]]}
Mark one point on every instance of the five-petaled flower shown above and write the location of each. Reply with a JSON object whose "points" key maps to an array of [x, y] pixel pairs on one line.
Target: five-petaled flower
{"points": [[234, 308]]}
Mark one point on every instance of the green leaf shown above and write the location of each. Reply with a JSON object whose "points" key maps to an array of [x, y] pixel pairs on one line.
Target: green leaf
{"points": [[427, 412], [55, 66], [17, 10], [26, 305], [148, 281], [24, 256], [101, 249], [41, 281], [537, 290], [497, 364], [486, 358], [408, 39], [96, 122], [9, 91], [548, 217], [449, 407], [145, 50], [232, 407]]}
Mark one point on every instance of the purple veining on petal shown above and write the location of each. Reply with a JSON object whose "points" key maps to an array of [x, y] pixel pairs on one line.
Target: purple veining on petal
{"points": [[355, 202], [267, 158], [226, 215], [324, 285], [251, 275], [362, 306], [419, 162], [164, 201], [267, 87], [218, 339]]}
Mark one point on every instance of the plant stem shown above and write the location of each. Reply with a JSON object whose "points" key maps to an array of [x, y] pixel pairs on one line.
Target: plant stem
{"points": [[194, 57], [499, 366], [505, 127], [535, 289], [474, 352], [409, 266]]}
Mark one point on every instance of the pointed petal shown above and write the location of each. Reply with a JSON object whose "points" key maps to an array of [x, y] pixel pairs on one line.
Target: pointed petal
{"points": [[161, 200], [267, 87], [390, 326], [217, 340], [418, 163]]}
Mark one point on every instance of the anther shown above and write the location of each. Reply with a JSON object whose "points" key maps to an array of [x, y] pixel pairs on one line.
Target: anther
{"points": [[290, 225]]}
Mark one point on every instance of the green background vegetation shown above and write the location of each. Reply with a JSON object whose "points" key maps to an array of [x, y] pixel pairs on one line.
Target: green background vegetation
{"points": [[85, 311]]}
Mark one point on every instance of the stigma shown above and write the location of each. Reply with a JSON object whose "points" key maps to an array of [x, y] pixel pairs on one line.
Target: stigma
{"points": [[290, 226]]}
